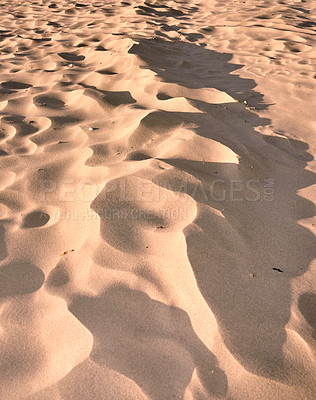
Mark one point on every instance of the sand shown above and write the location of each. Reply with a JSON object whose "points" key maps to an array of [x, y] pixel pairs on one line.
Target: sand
{"points": [[157, 200]]}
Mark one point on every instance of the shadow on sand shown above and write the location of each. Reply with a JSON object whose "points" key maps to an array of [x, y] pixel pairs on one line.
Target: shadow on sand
{"points": [[148, 342], [245, 254]]}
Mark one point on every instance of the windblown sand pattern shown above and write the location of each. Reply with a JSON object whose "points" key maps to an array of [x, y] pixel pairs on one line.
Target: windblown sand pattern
{"points": [[157, 200]]}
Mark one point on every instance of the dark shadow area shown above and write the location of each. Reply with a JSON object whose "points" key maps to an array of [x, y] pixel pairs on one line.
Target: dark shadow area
{"points": [[152, 10], [3, 247], [57, 278], [17, 121], [48, 101], [106, 71], [105, 97], [71, 57], [181, 11], [307, 306], [20, 278], [15, 85], [148, 342], [35, 219], [245, 245], [194, 67]]}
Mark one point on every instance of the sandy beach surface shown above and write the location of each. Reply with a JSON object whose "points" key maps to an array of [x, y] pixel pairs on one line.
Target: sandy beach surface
{"points": [[157, 200]]}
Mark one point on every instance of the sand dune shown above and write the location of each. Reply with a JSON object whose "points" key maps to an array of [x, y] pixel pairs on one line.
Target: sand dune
{"points": [[157, 201]]}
